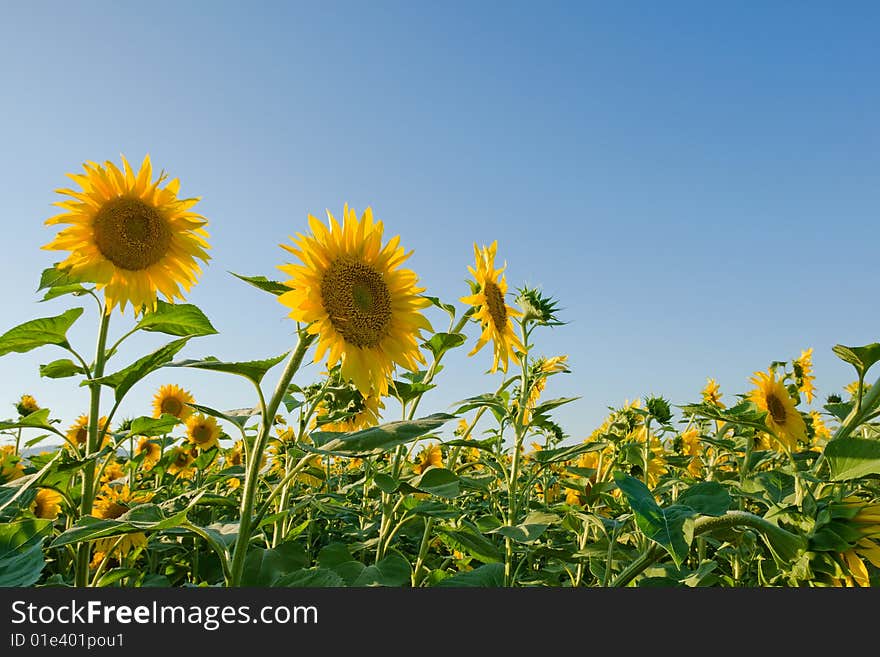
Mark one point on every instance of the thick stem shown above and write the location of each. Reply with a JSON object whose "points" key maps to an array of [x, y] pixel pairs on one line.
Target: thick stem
{"points": [[92, 445], [253, 467]]}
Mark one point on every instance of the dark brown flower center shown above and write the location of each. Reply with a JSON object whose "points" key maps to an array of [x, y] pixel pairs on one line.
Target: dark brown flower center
{"points": [[172, 406], [131, 234], [776, 408], [495, 302], [357, 301], [201, 434]]}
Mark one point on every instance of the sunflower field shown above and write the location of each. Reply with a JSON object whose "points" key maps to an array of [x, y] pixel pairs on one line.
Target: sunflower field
{"points": [[309, 483]]}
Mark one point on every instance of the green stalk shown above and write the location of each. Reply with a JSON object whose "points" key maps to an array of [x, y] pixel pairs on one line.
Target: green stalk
{"points": [[88, 480], [253, 467], [520, 431]]}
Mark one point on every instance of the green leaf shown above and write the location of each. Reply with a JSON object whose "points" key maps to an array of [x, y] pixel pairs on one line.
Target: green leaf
{"points": [[393, 570], [440, 343], [267, 567], [671, 528], [253, 370], [386, 483], [124, 379], [181, 319], [54, 277], [435, 509], [21, 551], [239, 417], [449, 308], [440, 482], [378, 440], [311, 578], [745, 414], [708, 498], [497, 403], [862, 358], [406, 392], [60, 369], [263, 283], [469, 539], [535, 524], [851, 458], [61, 290], [490, 575], [39, 332], [840, 410], [150, 426], [145, 517], [547, 456], [38, 420], [550, 404]]}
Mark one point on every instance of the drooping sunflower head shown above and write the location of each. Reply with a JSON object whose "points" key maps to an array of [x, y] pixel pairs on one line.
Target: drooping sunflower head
{"points": [[352, 292], [202, 431], [712, 393], [11, 467], [492, 311], [129, 235], [114, 501], [803, 372], [172, 399], [429, 456], [47, 504], [690, 443], [26, 405], [783, 417]]}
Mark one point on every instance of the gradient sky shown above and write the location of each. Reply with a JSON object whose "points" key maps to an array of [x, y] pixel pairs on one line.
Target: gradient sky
{"points": [[697, 183]]}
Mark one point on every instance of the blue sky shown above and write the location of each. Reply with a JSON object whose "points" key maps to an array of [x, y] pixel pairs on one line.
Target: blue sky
{"points": [[697, 183]]}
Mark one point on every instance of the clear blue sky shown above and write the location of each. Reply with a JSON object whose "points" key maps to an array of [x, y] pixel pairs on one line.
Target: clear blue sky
{"points": [[697, 183]]}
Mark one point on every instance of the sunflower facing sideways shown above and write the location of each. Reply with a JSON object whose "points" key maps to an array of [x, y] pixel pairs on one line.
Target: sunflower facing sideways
{"points": [[130, 236], [493, 313], [352, 293], [783, 418]]}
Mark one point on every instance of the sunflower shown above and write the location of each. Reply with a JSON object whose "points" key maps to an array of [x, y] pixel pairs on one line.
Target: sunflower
{"points": [[47, 504], [540, 371], [821, 432], [429, 456], [180, 461], [112, 471], [27, 405], [11, 467], [354, 296], [803, 372], [78, 433], [151, 451], [111, 503], [364, 414], [691, 446], [202, 431], [492, 310], [783, 418], [712, 393], [130, 236], [173, 400]]}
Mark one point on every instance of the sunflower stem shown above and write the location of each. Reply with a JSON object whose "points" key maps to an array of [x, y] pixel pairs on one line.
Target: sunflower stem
{"points": [[253, 467], [520, 433], [88, 481]]}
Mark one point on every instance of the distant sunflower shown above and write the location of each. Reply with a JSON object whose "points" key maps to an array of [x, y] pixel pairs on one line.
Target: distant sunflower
{"points": [[354, 296], [151, 451], [492, 312], [712, 393], [202, 431], [47, 504], [172, 399], [78, 433], [11, 467], [129, 236], [180, 462], [429, 456], [782, 417], [366, 416]]}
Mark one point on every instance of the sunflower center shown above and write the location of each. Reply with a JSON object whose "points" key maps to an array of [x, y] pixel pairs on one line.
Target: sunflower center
{"points": [[357, 301], [495, 302], [131, 234], [81, 435], [172, 406], [776, 408], [201, 434]]}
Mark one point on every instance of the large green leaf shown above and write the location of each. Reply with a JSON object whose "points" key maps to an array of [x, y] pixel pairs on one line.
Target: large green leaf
{"points": [[672, 528], [21, 553], [265, 567], [253, 370], [145, 517], [182, 319], [440, 343], [379, 440], [851, 458], [58, 283], [263, 283], [150, 426], [440, 482], [38, 420], [490, 575], [39, 332], [546, 456], [469, 539], [530, 529], [708, 498], [393, 570], [862, 358], [124, 379], [745, 414]]}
